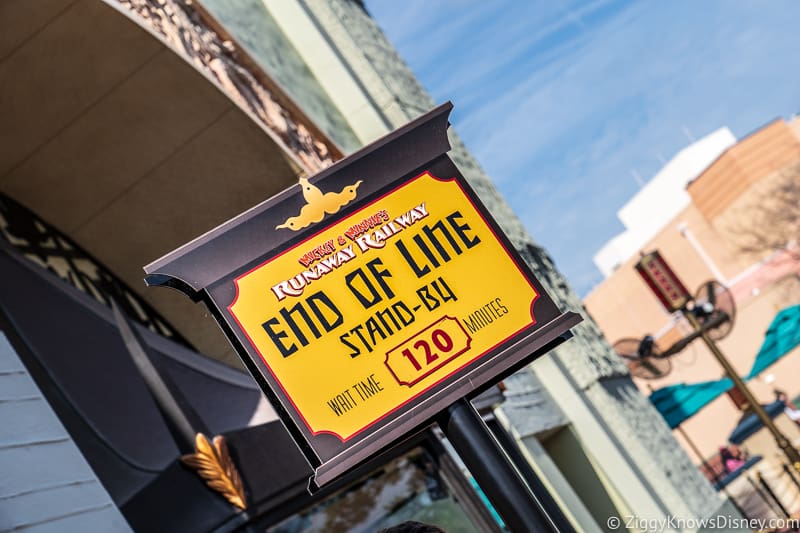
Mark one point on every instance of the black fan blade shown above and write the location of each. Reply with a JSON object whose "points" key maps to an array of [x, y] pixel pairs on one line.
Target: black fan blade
{"points": [[712, 293]]}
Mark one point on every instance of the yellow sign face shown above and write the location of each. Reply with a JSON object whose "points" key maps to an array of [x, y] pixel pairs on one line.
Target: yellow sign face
{"points": [[373, 311]]}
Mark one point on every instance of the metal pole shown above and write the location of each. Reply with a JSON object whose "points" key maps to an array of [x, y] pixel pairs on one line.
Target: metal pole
{"points": [[507, 491], [763, 496], [711, 470], [792, 475], [780, 438], [549, 504], [772, 495]]}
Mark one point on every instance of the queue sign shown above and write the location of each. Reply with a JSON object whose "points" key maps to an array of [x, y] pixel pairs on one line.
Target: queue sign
{"points": [[382, 305], [368, 298]]}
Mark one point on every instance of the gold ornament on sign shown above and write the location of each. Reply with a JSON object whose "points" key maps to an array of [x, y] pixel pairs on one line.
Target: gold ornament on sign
{"points": [[213, 463], [318, 204]]}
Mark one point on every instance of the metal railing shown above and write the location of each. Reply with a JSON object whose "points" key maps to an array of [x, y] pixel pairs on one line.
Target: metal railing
{"points": [[43, 244]]}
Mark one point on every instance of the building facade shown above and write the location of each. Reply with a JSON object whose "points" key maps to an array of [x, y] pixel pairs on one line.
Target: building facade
{"points": [[733, 222], [133, 126]]}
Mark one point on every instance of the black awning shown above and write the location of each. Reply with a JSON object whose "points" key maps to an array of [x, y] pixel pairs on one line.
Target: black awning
{"points": [[75, 352]]}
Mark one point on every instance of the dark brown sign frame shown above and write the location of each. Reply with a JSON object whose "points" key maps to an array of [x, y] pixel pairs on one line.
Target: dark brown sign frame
{"points": [[205, 268]]}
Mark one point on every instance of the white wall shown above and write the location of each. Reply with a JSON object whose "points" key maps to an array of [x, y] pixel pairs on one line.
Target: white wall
{"points": [[661, 199]]}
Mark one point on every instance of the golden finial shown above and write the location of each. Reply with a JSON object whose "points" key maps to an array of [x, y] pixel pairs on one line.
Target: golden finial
{"points": [[318, 204]]}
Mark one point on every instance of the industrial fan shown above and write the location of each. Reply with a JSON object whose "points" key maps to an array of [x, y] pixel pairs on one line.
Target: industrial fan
{"points": [[643, 357], [715, 309]]}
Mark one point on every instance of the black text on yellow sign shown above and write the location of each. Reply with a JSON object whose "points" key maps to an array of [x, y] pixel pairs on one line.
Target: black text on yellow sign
{"points": [[374, 310]]}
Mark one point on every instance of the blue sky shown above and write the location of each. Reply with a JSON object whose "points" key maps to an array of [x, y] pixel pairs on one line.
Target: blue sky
{"points": [[562, 100]]}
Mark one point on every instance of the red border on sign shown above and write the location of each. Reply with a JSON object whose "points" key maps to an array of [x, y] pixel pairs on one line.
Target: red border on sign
{"points": [[421, 391]]}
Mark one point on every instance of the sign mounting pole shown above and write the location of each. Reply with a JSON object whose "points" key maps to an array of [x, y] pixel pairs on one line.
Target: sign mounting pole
{"points": [[519, 507]]}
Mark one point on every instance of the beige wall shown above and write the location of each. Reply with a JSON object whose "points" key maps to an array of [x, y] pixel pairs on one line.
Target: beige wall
{"points": [[624, 307]]}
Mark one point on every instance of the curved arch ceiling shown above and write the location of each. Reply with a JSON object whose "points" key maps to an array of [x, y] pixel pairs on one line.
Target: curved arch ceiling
{"points": [[118, 141]]}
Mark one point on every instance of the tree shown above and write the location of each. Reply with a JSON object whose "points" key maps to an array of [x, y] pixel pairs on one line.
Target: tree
{"points": [[770, 220]]}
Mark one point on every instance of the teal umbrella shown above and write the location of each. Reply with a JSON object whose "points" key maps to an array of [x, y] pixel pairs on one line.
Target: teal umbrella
{"points": [[681, 401], [781, 338], [678, 402]]}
